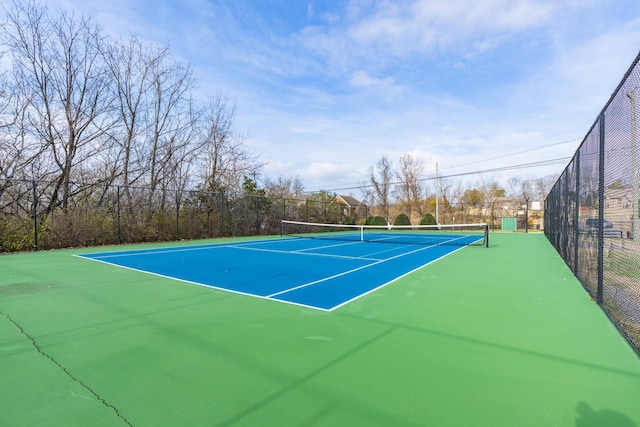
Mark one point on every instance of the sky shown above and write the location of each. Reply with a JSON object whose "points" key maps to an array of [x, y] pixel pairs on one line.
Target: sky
{"points": [[324, 89]]}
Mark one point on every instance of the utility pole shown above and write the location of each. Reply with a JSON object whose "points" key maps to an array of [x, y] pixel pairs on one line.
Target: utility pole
{"points": [[437, 195]]}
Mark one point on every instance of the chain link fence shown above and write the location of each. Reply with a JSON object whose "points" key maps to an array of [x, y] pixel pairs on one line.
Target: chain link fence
{"points": [[34, 215], [592, 212]]}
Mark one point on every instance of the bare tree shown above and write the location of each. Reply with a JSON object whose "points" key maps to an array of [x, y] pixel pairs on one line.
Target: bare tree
{"points": [[227, 158], [284, 187], [447, 191], [380, 179], [531, 188], [542, 186], [514, 185], [410, 191], [130, 63], [491, 190], [171, 121], [16, 153], [59, 70]]}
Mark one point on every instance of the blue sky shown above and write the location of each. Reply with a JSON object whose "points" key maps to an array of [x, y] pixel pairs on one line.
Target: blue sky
{"points": [[323, 89]]}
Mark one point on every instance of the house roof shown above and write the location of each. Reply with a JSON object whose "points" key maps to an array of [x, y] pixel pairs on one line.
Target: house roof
{"points": [[348, 200]]}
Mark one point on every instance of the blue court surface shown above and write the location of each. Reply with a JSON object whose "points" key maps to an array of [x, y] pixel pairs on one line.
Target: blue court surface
{"points": [[320, 274]]}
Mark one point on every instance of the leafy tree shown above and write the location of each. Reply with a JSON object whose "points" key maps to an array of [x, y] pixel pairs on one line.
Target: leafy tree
{"points": [[321, 207], [250, 187], [443, 203], [616, 185], [472, 197]]}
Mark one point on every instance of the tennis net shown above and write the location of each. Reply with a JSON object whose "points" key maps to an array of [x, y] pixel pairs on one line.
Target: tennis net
{"points": [[450, 234]]}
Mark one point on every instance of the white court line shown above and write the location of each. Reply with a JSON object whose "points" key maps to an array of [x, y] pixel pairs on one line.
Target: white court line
{"points": [[300, 252], [137, 252], [366, 257], [391, 249], [241, 245], [391, 281], [164, 276], [333, 245], [219, 288], [344, 273]]}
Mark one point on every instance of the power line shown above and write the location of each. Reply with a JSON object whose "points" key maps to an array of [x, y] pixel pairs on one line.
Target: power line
{"points": [[525, 165], [549, 162], [514, 154]]}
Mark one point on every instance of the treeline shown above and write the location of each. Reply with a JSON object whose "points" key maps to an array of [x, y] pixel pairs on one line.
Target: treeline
{"points": [[100, 214], [400, 188]]}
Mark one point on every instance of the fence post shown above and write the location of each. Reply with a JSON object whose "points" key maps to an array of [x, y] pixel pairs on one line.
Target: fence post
{"points": [[35, 214], [565, 216], [177, 216], [257, 203], [284, 207], [576, 217], [222, 198], [635, 177], [526, 215], [119, 231], [326, 217], [599, 296]]}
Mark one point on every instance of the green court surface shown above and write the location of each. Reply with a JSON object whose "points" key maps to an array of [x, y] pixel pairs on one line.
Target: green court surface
{"points": [[503, 336]]}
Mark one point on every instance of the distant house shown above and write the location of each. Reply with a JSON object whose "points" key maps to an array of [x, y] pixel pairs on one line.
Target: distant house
{"points": [[619, 202], [352, 206], [506, 204]]}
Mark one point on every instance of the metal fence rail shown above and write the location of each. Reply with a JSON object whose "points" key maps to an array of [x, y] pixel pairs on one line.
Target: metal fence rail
{"points": [[592, 212], [98, 215], [33, 215]]}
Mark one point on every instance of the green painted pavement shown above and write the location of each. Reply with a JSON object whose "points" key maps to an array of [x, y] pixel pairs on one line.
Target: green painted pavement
{"points": [[504, 336]]}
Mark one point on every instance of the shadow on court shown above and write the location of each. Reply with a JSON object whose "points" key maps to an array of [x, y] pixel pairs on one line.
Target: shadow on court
{"points": [[589, 417]]}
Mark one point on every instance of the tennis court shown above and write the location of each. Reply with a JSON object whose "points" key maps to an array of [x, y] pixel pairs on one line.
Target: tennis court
{"points": [[504, 336], [322, 270]]}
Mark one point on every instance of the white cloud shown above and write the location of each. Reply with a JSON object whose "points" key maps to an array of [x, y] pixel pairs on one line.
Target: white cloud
{"points": [[363, 79], [316, 175], [401, 28], [278, 168]]}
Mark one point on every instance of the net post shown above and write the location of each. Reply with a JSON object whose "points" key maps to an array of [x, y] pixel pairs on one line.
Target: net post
{"points": [[486, 235], [281, 228]]}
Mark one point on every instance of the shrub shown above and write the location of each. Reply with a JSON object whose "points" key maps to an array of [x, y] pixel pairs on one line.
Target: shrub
{"points": [[428, 219], [349, 219], [378, 220], [402, 219]]}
